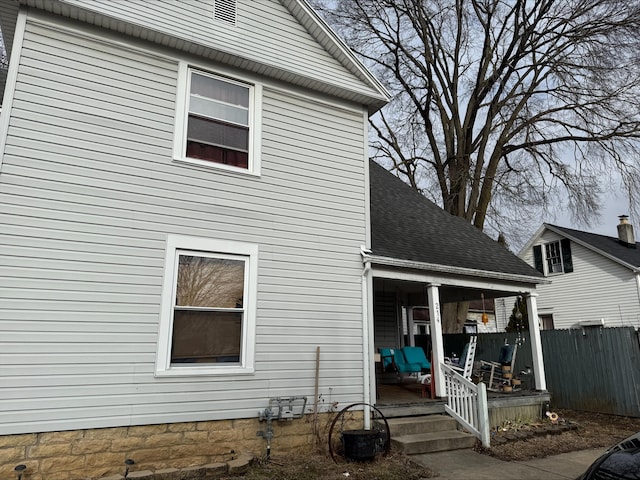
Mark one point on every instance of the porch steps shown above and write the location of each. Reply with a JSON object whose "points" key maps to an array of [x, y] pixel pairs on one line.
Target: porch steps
{"points": [[426, 434], [411, 409]]}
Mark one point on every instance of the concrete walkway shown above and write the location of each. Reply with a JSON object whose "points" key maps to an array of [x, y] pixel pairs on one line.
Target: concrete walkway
{"points": [[467, 464]]}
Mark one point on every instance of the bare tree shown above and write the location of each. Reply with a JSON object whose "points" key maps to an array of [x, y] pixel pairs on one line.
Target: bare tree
{"points": [[504, 109]]}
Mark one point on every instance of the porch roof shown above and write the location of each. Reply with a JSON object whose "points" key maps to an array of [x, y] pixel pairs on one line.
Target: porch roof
{"points": [[408, 227]]}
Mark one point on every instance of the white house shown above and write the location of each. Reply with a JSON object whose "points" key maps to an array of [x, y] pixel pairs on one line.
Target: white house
{"points": [[147, 146], [594, 279], [187, 221]]}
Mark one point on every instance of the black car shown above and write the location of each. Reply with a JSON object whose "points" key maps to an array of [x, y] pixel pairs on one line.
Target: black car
{"points": [[620, 462]]}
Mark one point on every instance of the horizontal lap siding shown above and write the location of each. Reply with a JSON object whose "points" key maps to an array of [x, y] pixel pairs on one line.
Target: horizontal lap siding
{"points": [[88, 193], [597, 288], [265, 32]]}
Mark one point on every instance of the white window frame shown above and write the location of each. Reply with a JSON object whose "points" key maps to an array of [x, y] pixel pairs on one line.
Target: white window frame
{"points": [[546, 258], [178, 244], [182, 114]]}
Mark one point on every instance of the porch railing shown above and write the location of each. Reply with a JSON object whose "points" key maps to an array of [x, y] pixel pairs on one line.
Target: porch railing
{"points": [[467, 403]]}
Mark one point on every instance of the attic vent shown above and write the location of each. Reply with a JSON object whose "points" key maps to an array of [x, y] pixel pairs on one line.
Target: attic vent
{"points": [[225, 11]]}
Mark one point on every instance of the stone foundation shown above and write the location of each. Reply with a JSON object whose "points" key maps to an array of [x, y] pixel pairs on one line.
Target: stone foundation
{"points": [[96, 453]]}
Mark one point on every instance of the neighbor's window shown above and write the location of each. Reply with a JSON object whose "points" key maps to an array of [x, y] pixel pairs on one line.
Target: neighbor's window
{"points": [[554, 257], [219, 124], [208, 326]]}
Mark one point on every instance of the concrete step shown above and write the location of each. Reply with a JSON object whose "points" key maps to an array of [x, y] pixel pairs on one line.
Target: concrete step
{"points": [[433, 442], [413, 425], [411, 410]]}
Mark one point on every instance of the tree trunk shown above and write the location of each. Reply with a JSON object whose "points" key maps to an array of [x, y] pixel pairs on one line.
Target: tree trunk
{"points": [[453, 317]]}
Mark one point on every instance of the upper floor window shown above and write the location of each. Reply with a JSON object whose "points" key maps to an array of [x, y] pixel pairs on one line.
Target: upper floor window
{"points": [[218, 125], [553, 257], [208, 315]]}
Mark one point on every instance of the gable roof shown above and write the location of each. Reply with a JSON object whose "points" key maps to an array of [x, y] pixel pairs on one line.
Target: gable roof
{"points": [[281, 52], [407, 226], [604, 245]]}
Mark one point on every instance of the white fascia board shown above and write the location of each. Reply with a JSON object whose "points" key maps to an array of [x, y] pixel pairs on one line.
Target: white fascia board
{"points": [[328, 38], [457, 271], [532, 240], [373, 94], [433, 278]]}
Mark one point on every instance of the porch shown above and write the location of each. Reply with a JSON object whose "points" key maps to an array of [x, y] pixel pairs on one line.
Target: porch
{"points": [[421, 257], [406, 400]]}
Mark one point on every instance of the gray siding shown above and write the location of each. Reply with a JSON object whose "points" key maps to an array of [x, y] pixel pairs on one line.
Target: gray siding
{"points": [[387, 325], [265, 33], [88, 194]]}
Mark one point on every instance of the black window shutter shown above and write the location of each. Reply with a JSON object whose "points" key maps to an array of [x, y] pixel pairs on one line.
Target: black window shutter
{"points": [[537, 258], [567, 262]]}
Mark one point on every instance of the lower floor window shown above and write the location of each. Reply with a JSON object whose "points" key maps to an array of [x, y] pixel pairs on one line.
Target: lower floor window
{"points": [[208, 316]]}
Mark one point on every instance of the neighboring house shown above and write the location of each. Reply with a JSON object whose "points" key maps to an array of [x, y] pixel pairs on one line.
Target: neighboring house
{"points": [[595, 279], [184, 190]]}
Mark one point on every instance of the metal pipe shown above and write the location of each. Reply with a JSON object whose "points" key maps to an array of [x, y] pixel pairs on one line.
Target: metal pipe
{"points": [[366, 361]]}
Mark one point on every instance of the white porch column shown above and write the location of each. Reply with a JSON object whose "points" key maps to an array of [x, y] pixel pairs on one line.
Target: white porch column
{"points": [[437, 344], [536, 342]]}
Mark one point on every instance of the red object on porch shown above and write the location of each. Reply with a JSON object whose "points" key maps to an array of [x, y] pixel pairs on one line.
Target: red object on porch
{"points": [[429, 386]]}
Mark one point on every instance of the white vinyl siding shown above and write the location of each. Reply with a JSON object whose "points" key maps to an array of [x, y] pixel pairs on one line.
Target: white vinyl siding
{"points": [[265, 32], [89, 193]]}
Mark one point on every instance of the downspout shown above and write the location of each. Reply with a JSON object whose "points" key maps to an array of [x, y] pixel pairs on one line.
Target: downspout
{"points": [[366, 360], [637, 275]]}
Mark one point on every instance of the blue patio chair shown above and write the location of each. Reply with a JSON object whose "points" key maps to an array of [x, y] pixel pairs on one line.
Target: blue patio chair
{"points": [[500, 372], [404, 360], [416, 359]]}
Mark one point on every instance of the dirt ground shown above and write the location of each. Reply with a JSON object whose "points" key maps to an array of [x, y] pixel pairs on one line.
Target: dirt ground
{"points": [[587, 430], [593, 430]]}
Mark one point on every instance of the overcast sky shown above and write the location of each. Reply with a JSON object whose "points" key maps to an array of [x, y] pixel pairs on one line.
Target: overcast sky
{"points": [[613, 206]]}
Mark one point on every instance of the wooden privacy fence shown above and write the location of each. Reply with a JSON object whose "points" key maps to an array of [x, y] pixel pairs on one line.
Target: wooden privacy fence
{"points": [[591, 369]]}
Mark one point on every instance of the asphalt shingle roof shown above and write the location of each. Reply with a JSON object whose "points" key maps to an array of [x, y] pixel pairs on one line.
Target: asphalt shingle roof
{"points": [[407, 226], [608, 245]]}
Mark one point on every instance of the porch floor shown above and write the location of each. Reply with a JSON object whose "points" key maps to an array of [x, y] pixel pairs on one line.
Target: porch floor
{"points": [[411, 393], [402, 394]]}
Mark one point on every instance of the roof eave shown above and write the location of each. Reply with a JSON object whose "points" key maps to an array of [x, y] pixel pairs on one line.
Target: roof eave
{"points": [[334, 44], [373, 95], [462, 271]]}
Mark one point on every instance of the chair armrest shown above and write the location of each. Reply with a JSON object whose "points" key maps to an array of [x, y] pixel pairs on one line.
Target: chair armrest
{"points": [[493, 364], [489, 365]]}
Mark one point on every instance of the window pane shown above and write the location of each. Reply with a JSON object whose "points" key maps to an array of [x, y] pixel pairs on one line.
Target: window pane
{"points": [[212, 109], [554, 260], [217, 133], [219, 90], [206, 337], [217, 154], [210, 282]]}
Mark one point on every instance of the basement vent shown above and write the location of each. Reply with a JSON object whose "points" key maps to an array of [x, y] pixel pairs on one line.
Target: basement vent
{"points": [[225, 11]]}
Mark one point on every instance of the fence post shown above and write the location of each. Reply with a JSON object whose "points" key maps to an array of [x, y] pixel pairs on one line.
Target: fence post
{"points": [[483, 416]]}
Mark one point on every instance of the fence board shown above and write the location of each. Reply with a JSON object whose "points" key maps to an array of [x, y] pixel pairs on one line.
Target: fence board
{"points": [[594, 369], [591, 369]]}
